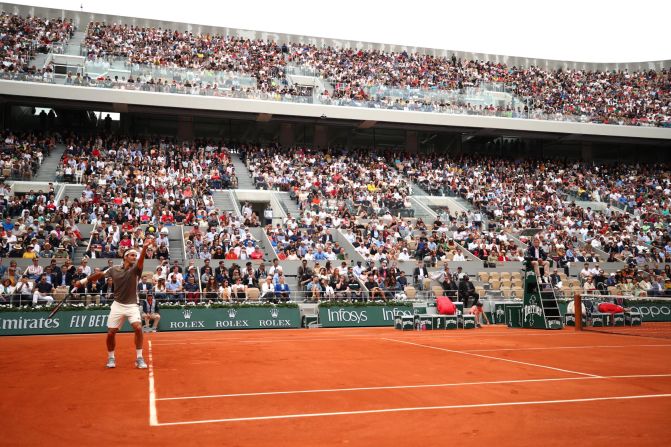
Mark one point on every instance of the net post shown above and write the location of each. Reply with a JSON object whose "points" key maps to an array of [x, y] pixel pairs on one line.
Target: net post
{"points": [[577, 305]]}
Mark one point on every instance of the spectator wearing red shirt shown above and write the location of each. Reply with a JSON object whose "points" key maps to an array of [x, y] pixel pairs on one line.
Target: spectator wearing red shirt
{"points": [[257, 253]]}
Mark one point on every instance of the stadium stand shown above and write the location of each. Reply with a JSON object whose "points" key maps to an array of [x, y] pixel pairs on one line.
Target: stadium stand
{"points": [[177, 61], [359, 216]]}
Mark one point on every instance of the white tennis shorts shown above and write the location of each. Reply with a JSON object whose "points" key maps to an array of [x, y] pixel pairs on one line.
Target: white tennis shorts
{"points": [[119, 312]]}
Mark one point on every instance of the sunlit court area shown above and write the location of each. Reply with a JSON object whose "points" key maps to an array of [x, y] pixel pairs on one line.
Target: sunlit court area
{"points": [[218, 232]]}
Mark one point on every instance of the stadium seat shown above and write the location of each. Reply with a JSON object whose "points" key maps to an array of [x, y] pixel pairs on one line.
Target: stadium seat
{"points": [[253, 294], [614, 290], [426, 283]]}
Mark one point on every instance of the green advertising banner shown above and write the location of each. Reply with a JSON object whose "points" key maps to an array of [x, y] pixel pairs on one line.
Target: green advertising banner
{"points": [[361, 316], [651, 310], [64, 322], [178, 319], [260, 317]]}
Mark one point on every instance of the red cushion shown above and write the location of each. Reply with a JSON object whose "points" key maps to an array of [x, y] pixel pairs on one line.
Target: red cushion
{"points": [[445, 306], [610, 308]]}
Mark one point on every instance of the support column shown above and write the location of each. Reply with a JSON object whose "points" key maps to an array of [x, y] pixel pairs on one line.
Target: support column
{"points": [[449, 143], [411, 141], [587, 151], [321, 137], [185, 128], [286, 134]]}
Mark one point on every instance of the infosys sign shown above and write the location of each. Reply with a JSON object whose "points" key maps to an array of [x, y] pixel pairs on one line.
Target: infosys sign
{"points": [[361, 316], [189, 319], [64, 322]]}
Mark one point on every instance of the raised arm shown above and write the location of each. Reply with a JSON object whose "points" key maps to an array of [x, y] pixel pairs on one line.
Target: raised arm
{"points": [[148, 242]]}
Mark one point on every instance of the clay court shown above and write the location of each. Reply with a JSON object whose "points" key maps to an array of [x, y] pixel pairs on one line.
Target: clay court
{"points": [[327, 387]]}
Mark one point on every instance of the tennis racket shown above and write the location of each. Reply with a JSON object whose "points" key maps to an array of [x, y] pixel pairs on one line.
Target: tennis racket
{"points": [[56, 308], [60, 303]]}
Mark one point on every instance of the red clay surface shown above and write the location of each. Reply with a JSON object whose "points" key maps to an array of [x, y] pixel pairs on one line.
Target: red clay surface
{"points": [[504, 386]]}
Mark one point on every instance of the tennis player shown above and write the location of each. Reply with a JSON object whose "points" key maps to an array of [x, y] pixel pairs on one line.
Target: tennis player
{"points": [[126, 305]]}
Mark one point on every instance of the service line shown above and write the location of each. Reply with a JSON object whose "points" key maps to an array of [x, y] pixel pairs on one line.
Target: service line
{"points": [[408, 409], [490, 357], [403, 387]]}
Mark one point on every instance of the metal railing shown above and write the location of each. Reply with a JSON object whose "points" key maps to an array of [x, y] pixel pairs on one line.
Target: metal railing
{"points": [[200, 89], [168, 298]]}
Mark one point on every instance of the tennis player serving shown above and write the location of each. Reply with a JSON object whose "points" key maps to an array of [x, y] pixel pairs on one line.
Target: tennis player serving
{"points": [[126, 305]]}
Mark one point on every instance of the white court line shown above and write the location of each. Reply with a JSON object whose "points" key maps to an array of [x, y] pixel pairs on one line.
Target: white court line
{"points": [[395, 410], [490, 357], [403, 387], [339, 338], [153, 416], [549, 348]]}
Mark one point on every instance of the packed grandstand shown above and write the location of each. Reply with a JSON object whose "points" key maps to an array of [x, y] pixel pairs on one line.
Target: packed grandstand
{"points": [[343, 221], [211, 64]]}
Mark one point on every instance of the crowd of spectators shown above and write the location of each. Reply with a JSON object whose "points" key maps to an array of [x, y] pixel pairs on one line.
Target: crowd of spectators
{"points": [[632, 281], [618, 96], [23, 37], [253, 281], [308, 238], [642, 189], [35, 226], [135, 186], [22, 154], [357, 75], [169, 48], [225, 237], [173, 163], [161, 182], [342, 280], [343, 183], [512, 195]]}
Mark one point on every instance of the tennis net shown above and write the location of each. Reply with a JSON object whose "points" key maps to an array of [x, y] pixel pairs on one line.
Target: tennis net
{"points": [[626, 315]]}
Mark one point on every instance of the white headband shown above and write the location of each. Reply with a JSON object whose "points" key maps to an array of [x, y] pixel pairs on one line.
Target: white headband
{"points": [[129, 252]]}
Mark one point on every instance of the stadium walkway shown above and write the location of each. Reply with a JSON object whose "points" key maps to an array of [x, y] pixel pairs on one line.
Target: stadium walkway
{"points": [[47, 172]]}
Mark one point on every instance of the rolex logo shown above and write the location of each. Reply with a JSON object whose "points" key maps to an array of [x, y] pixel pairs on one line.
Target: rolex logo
{"points": [[187, 314], [232, 313], [274, 312]]}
